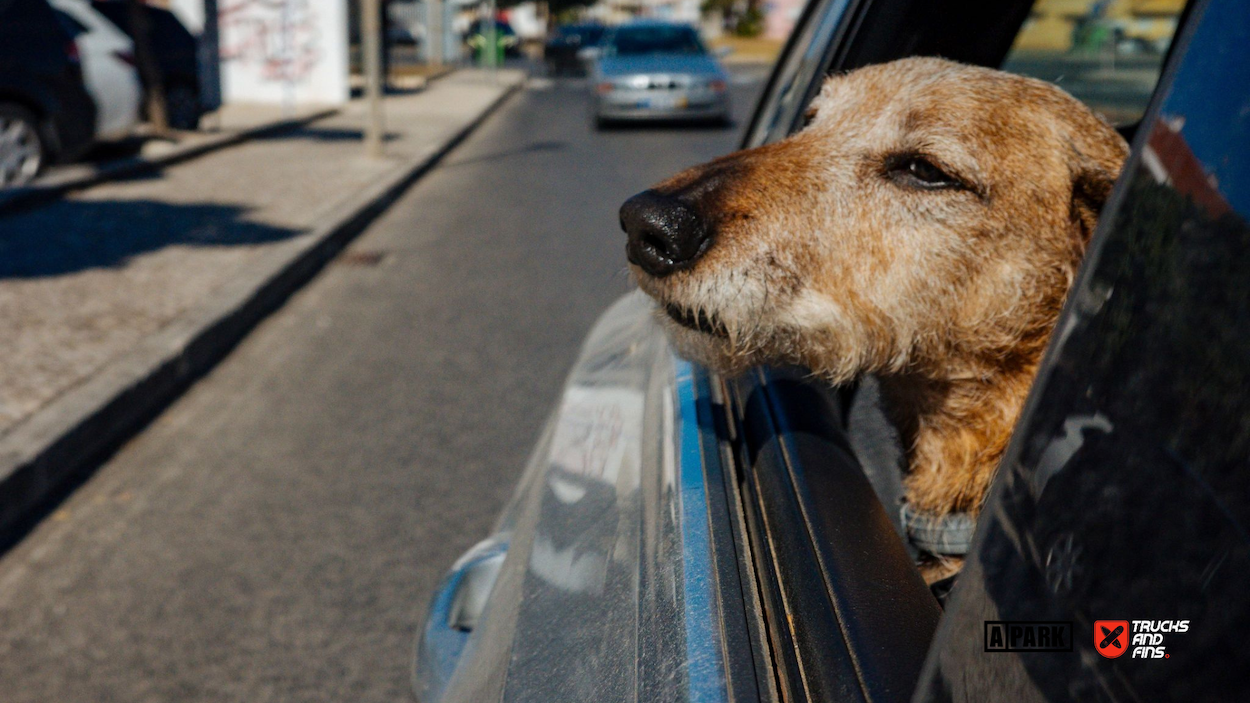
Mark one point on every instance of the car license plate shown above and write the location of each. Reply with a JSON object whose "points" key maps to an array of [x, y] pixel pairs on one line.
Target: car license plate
{"points": [[664, 102]]}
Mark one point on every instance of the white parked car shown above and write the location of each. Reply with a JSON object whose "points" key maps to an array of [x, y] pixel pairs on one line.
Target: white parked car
{"points": [[108, 66]]}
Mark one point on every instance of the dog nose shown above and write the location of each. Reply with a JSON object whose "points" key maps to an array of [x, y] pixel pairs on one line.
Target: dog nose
{"points": [[665, 234]]}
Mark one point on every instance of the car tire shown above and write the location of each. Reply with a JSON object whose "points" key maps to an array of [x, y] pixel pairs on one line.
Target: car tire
{"points": [[22, 148], [182, 106]]}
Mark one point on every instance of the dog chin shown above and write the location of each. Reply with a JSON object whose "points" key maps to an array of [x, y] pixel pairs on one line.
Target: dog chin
{"points": [[712, 350]]}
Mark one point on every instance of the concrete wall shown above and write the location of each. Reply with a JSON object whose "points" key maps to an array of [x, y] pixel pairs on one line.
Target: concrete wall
{"points": [[269, 51], [283, 51]]}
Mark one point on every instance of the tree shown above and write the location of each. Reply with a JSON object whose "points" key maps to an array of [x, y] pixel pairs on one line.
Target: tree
{"points": [[149, 69]]}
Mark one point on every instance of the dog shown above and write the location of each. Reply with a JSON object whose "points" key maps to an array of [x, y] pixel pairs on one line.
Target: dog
{"points": [[924, 227]]}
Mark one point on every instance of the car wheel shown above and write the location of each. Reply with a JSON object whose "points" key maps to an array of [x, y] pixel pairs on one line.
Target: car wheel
{"points": [[22, 150], [182, 107]]}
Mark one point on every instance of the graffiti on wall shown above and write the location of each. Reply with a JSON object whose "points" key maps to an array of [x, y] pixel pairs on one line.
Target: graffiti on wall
{"points": [[279, 40]]}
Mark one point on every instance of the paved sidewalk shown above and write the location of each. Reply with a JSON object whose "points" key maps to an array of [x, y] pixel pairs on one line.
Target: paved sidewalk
{"points": [[85, 279], [140, 153]]}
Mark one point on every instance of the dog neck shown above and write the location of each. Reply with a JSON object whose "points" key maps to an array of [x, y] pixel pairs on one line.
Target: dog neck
{"points": [[954, 432]]}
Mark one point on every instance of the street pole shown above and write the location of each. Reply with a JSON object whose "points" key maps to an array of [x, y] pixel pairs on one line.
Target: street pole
{"points": [[434, 33], [492, 40], [370, 47]]}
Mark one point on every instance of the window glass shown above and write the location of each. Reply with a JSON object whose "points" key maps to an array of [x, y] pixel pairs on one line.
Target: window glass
{"points": [[1107, 53], [659, 39]]}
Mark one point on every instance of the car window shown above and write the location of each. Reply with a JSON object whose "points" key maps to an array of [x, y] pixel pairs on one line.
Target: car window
{"points": [[1106, 53], [637, 41]]}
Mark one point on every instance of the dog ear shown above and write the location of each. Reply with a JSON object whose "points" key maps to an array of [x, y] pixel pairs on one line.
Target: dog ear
{"points": [[1098, 155], [1090, 189]]}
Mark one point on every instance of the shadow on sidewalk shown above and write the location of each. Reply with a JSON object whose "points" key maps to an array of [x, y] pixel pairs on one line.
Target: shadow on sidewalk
{"points": [[323, 134], [75, 235]]}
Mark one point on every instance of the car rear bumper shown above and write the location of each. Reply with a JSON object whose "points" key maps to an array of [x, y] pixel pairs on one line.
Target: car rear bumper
{"points": [[653, 105]]}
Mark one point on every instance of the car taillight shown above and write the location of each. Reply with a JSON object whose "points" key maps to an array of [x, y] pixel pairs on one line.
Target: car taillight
{"points": [[126, 56], [718, 86], [604, 88], [71, 52]]}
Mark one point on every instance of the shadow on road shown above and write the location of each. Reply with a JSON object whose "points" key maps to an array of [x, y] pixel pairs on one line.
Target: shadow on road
{"points": [[74, 235], [634, 126], [507, 153]]}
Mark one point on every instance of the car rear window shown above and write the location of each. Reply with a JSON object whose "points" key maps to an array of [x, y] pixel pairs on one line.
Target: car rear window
{"points": [[634, 41], [1106, 53]]}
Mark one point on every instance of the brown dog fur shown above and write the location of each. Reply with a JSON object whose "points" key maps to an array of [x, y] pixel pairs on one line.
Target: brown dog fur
{"points": [[826, 252]]}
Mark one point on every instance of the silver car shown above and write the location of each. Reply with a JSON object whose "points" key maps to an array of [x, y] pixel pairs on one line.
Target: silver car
{"points": [[657, 71]]}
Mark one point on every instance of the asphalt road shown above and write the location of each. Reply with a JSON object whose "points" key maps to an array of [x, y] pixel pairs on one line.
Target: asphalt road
{"points": [[276, 534]]}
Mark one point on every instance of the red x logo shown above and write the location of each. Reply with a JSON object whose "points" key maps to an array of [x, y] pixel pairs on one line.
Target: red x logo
{"points": [[1111, 637]]}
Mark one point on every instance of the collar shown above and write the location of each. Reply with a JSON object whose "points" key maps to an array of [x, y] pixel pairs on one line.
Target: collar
{"points": [[942, 535]]}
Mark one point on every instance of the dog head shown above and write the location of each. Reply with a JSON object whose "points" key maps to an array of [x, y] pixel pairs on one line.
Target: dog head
{"points": [[929, 218]]}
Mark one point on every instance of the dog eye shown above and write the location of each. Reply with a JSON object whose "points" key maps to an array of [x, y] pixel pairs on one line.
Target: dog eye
{"points": [[919, 172]]}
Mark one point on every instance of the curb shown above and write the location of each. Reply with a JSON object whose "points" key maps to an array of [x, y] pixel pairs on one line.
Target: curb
{"points": [[49, 454], [25, 198]]}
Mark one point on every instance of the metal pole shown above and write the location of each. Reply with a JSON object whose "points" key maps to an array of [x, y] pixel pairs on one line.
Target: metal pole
{"points": [[370, 47], [492, 39], [434, 32]]}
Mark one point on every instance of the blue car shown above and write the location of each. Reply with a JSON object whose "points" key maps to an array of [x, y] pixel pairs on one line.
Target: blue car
{"points": [[680, 536]]}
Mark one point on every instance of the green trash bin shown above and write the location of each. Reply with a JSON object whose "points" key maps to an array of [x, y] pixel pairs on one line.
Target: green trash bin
{"points": [[478, 42]]}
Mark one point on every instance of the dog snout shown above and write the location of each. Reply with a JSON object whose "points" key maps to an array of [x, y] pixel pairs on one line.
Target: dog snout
{"points": [[665, 233]]}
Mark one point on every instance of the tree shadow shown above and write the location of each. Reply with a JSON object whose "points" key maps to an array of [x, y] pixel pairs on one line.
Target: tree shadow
{"points": [[104, 152], [76, 235]]}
